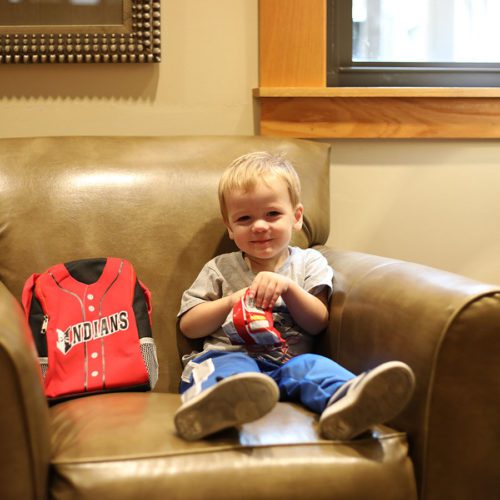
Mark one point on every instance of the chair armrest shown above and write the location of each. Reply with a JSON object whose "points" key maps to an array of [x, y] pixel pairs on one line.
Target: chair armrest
{"points": [[447, 328], [24, 416]]}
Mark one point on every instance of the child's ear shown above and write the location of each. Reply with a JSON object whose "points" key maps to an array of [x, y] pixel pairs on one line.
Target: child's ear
{"points": [[229, 231], [298, 217]]}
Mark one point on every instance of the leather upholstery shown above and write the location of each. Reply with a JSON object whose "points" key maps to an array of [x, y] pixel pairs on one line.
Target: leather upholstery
{"points": [[152, 200]]}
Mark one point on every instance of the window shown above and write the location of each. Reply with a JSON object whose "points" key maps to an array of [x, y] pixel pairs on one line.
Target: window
{"points": [[426, 43]]}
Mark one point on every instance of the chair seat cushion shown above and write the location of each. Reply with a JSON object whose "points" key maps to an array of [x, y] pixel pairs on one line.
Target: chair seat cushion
{"points": [[124, 445]]}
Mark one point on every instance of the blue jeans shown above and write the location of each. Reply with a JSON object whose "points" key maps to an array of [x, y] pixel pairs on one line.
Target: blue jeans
{"points": [[309, 379]]}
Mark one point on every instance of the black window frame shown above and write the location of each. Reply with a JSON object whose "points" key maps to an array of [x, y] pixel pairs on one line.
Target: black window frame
{"points": [[342, 71]]}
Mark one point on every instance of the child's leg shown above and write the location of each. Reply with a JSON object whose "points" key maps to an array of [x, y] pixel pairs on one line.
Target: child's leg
{"points": [[311, 379], [348, 405], [210, 368], [220, 390]]}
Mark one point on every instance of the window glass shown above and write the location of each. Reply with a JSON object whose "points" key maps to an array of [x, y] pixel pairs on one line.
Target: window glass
{"points": [[420, 43], [450, 31]]}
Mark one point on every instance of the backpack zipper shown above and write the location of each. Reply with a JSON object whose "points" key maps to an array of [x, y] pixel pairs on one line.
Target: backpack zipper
{"points": [[43, 331]]}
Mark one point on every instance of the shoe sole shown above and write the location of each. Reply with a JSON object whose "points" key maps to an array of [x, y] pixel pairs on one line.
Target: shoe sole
{"points": [[379, 397], [234, 401]]}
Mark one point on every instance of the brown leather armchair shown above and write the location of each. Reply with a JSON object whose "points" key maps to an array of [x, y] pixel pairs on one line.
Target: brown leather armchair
{"points": [[152, 200]]}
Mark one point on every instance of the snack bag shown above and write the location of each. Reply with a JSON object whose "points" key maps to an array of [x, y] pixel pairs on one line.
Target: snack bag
{"points": [[248, 324]]}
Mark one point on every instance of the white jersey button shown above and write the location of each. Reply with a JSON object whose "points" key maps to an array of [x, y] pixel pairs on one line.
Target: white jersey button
{"points": [[91, 308], [94, 373], [90, 296], [94, 355]]}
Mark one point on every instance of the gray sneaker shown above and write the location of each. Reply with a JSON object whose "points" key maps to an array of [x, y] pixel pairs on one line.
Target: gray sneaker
{"points": [[372, 398], [231, 402]]}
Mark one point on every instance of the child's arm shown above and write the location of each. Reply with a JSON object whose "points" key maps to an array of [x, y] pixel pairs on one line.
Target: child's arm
{"points": [[207, 317], [308, 311]]}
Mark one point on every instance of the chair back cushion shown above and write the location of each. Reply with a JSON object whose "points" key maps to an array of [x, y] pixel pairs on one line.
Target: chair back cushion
{"points": [[150, 200]]}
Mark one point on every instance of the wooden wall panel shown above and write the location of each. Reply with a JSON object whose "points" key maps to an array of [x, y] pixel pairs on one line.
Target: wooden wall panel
{"points": [[292, 43]]}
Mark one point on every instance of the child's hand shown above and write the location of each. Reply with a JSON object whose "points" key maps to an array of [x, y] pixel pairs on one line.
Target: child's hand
{"points": [[267, 287]]}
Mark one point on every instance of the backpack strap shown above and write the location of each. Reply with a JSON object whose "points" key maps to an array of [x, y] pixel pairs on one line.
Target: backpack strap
{"points": [[27, 294]]}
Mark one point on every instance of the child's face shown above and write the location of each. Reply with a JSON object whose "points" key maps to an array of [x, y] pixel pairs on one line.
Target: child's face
{"points": [[261, 221]]}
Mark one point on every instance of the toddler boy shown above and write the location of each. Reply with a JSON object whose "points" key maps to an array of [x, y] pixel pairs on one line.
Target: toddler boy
{"points": [[258, 310]]}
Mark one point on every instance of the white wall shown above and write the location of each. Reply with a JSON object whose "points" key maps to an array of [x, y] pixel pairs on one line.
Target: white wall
{"points": [[433, 202], [430, 202], [202, 86]]}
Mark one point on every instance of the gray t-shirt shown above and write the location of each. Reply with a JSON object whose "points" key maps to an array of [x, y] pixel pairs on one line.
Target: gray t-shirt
{"points": [[228, 273]]}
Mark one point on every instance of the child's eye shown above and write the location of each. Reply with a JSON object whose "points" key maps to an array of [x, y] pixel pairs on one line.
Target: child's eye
{"points": [[243, 218], [273, 213]]}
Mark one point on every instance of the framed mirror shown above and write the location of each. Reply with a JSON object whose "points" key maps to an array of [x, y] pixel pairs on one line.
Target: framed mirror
{"points": [[79, 31]]}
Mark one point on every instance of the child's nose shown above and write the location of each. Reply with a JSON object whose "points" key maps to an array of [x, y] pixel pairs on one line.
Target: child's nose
{"points": [[260, 225]]}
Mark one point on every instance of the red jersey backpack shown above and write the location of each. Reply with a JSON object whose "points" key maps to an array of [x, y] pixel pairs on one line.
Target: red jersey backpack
{"points": [[91, 323]]}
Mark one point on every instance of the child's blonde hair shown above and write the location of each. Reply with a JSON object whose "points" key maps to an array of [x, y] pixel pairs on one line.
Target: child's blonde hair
{"points": [[244, 173]]}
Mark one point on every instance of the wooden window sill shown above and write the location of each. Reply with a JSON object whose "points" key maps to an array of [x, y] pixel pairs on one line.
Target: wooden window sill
{"points": [[380, 112], [377, 92]]}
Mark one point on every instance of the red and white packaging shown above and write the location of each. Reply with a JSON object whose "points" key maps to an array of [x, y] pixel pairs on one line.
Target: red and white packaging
{"points": [[248, 324]]}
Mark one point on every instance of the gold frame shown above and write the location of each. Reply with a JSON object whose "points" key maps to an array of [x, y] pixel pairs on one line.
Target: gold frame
{"points": [[137, 40]]}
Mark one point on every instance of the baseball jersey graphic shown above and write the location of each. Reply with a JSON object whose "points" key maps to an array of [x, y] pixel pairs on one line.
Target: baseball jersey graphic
{"points": [[91, 322], [91, 330]]}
